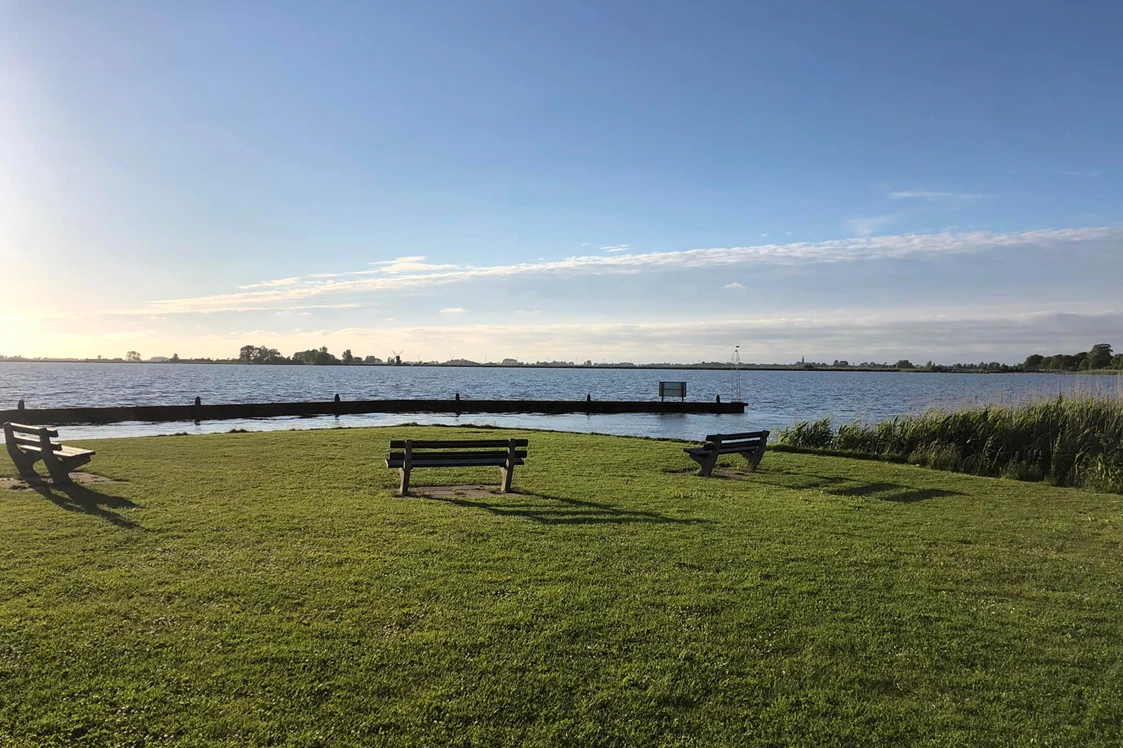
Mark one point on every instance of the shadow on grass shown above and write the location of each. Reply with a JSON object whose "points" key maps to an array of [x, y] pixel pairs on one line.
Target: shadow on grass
{"points": [[894, 492], [847, 487], [559, 510], [76, 498]]}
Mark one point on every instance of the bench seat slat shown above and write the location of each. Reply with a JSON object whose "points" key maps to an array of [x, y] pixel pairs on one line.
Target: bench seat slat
{"points": [[25, 429], [727, 447], [481, 454], [74, 452], [732, 437], [31, 441], [739, 446], [458, 443], [61, 452], [486, 462]]}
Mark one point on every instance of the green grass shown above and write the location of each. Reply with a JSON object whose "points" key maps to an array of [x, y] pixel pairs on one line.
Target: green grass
{"points": [[1068, 441], [270, 589]]}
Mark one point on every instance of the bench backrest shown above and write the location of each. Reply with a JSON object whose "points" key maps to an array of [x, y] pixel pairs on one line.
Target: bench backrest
{"points": [[36, 436], [453, 449], [744, 440], [457, 443]]}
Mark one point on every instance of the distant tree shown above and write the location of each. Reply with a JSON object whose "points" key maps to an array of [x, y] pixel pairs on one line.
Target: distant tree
{"points": [[1099, 357], [1117, 361], [1034, 362], [315, 357], [372, 360], [132, 356], [904, 363], [259, 354], [175, 358], [347, 357]]}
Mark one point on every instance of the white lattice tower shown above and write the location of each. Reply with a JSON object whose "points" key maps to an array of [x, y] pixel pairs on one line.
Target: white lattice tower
{"points": [[735, 374]]}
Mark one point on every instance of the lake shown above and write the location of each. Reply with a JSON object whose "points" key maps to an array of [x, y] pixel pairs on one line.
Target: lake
{"points": [[776, 399]]}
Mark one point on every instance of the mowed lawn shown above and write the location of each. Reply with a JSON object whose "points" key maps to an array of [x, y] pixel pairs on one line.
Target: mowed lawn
{"points": [[271, 589]]}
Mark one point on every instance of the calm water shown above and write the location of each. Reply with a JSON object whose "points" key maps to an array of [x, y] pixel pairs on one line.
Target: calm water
{"points": [[776, 399]]}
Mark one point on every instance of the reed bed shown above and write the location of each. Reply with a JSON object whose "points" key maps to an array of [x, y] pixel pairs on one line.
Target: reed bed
{"points": [[1066, 440]]}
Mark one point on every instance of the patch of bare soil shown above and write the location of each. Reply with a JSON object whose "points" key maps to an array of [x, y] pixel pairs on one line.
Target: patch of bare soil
{"points": [[455, 492], [733, 473], [84, 479]]}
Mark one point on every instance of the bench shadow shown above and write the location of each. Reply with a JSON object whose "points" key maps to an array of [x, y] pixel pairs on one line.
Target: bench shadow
{"points": [[560, 510], [920, 494], [847, 487], [796, 481], [75, 498]]}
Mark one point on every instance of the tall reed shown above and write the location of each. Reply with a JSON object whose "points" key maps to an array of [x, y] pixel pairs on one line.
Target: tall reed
{"points": [[1069, 441]]}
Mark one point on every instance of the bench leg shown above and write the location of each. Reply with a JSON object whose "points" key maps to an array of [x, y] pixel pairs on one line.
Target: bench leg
{"points": [[404, 489], [60, 475], [60, 469], [709, 464], [509, 468], [754, 459], [25, 463]]}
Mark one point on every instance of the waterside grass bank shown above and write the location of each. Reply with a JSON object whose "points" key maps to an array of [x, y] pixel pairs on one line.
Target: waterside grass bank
{"points": [[1068, 441], [270, 589]]}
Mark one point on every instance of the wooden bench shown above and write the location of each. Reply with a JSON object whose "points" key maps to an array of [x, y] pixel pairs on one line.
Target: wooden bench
{"points": [[406, 455], [29, 444], [750, 444]]}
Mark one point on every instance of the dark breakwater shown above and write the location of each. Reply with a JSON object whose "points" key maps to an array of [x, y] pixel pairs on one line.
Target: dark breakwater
{"points": [[231, 411]]}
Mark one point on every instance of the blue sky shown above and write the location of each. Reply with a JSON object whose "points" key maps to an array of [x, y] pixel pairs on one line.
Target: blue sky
{"points": [[639, 181]]}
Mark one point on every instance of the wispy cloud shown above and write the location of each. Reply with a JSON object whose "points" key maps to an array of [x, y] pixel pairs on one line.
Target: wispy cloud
{"points": [[453, 310], [296, 295], [1064, 172], [934, 195], [416, 264], [865, 226], [734, 286], [1080, 172], [615, 248], [884, 335]]}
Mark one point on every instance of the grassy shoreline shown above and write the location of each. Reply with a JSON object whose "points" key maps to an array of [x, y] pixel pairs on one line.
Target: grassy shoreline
{"points": [[1074, 440], [270, 589]]}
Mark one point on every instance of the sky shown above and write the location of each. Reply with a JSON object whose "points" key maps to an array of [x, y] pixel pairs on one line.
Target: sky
{"points": [[606, 181]]}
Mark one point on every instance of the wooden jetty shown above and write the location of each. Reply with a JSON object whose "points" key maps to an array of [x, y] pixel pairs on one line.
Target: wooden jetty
{"points": [[202, 412]]}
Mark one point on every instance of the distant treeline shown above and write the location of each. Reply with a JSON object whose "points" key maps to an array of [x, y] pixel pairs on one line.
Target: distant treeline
{"points": [[1099, 357], [258, 354]]}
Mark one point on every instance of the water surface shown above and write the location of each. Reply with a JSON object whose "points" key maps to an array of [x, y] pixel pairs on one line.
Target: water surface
{"points": [[776, 399]]}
